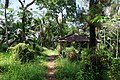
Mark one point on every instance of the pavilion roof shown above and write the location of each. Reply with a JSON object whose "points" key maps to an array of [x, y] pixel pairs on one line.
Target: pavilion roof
{"points": [[74, 37]]}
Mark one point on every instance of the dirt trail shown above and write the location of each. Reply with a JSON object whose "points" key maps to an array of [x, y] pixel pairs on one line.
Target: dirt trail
{"points": [[51, 67]]}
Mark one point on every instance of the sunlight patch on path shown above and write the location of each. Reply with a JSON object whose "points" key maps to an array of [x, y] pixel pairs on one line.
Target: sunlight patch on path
{"points": [[51, 67]]}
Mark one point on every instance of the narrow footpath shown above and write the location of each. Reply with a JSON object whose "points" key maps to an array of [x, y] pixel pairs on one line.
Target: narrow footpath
{"points": [[51, 67]]}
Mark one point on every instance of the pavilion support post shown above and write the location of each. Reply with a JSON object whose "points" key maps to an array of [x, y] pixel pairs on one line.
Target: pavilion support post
{"points": [[60, 50]]}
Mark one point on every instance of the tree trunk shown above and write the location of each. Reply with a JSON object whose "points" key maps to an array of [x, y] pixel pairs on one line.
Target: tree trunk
{"points": [[92, 28], [24, 17], [23, 26], [92, 39], [6, 28], [92, 36]]}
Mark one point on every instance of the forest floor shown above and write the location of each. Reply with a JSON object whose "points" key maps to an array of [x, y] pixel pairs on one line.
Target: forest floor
{"points": [[51, 66]]}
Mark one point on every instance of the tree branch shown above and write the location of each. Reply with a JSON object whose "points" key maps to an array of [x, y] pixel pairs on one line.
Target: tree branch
{"points": [[21, 3], [29, 4]]}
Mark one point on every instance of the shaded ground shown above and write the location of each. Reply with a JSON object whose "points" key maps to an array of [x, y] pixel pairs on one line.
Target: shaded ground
{"points": [[51, 67]]}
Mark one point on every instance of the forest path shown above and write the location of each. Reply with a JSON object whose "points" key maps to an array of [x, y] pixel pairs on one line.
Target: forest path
{"points": [[51, 66]]}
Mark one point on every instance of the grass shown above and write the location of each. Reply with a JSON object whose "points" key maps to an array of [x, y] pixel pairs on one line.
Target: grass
{"points": [[26, 71], [66, 70], [15, 70], [10, 69], [81, 70]]}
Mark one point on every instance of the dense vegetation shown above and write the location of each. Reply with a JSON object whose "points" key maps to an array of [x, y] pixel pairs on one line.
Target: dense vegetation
{"points": [[10, 69], [100, 65], [28, 36]]}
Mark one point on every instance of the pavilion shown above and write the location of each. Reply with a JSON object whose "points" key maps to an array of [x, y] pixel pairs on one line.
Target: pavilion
{"points": [[73, 37]]}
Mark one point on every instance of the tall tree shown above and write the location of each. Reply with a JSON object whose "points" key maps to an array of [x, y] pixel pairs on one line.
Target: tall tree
{"points": [[92, 26], [6, 6], [24, 8], [95, 9], [65, 8]]}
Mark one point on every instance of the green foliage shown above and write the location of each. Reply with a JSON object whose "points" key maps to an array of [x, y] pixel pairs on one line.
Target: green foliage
{"points": [[86, 72], [91, 66], [58, 6], [14, 70], [71, 53], [26, 52], [96, 66], [40, 52], [98, 19], [3, 47], [38, 49], [114, 72], [66, 70], [23, 52], [28, 71], [4, 61]]}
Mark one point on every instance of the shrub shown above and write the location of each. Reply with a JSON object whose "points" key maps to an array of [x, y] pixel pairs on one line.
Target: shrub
{"points": [[114, 72], [97, 65], [3, 47], [23, 52], [39, 50], [71, 53], [86, 72]]}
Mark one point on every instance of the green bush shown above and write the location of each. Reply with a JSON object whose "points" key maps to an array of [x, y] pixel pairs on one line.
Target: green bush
{"points": [[40, 52], [114, 72], [86, 71], [96, 66], [3, 47], [23, 52], [71, 53]]}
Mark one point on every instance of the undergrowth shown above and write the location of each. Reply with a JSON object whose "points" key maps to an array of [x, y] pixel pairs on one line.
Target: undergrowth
{"points": [[66, 70], [15, 70], [106, 67]]}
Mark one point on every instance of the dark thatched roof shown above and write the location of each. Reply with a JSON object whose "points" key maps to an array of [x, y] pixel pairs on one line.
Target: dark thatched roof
{"points": [[74, 37]]}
